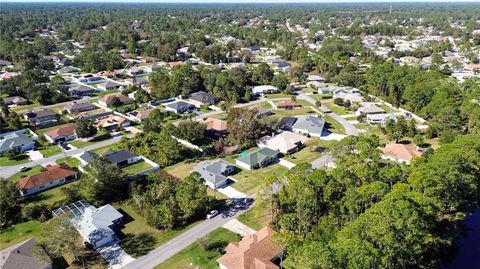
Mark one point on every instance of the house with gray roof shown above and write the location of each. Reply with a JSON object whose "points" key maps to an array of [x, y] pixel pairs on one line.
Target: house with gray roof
{"points": [[202, 98], [15, 101], [68, 69], [215, 174], [41, 116], [25, 255], [77, 107], [180, 107], [309, 125], [80, 90], [16, 141], [86, 157], [109, 85], [121, 158], [257, 159], [97, 225]]}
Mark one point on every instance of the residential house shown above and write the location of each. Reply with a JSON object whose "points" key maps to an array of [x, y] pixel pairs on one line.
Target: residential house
{"points": [[215, 126], [42, 116], [109, 85], [80, 90], [68, 69], [215, 174], [369, 109], [180, 107], [25, 255], [287, 104], [106, 100], [61, 134], [97, 225], [380, 118], [15, 101], [173, 64], [111, 122], [121, 158], [285, 142], [149, 59], [55, 175], [400, 152], [86, 157], [257, 159], [141, 115], [16, 141], [153, 67], [79, 106], [137, 81], [352, 97], [310, 125], [255, 251], [202, 98], [264, 89], [8, 75], [90, 79], [286, 123], [6, 64]]}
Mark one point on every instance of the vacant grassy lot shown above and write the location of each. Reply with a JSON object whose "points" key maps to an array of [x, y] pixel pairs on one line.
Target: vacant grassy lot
{"points": [[197, 256], [340, 110], [136, 167], [294, 112], [97, 138], [138, 225], [51, 150], [19, 233], [304, 103], [102, 150], [71, 161], [304, 155], [29, 106], [182, 169], [333, 125], [21, 158]]}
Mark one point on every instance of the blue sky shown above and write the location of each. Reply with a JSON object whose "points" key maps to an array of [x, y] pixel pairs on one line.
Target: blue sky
{"points": [[248, 1]]}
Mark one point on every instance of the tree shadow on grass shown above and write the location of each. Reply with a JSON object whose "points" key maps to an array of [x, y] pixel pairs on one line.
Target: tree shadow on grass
{"points": [[138, 244]]}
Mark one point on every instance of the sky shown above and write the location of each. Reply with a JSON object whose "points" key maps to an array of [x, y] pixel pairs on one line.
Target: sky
{"points": [[248, 1]]}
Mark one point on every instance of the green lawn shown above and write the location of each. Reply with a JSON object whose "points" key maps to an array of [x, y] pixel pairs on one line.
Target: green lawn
{"points": [[320, 97], [304, 103], [21, 158], [51, 150], [340, 110], [308, 90], [32, 171], [140, 226], [71, 161], [249, 181], [102, 150], [386, 108], [334, 126], [304, 155], [136, 167], [294, 112], [257, 217], [19, 233], [181, 170], [97, 138], [196, 256], [100, 93]]}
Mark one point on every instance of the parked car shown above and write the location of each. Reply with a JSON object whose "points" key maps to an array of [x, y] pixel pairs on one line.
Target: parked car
{"points": [[23, 168], [212, 214]]}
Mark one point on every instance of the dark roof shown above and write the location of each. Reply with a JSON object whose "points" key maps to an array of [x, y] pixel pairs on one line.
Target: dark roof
{"points": [[203, 97], [118, 156], [87, 156], [41, 113], [180, 106], [80, 106], [286, 123], [24, 256]]}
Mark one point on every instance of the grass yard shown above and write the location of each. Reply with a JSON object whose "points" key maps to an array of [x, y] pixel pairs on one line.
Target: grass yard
{"points": [[19, 159], [334, 126], [32, 171], [51, 150], [294, 112], [386, 108], [278, 95], [139, 226], [20, 232], [181, 170], [79, 143], [221, 115], [308, 90], [136, 167], [101, 93], [304, 155], [29, 106], [249, 181], [71, 161], [340, 110], [257, 217], [304, 103], [197, 256], [102, 150], [320, 97]]}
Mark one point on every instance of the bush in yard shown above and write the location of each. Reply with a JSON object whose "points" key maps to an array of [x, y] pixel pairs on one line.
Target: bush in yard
{"points": [[36, 212], [338, 102], [10, 154]]}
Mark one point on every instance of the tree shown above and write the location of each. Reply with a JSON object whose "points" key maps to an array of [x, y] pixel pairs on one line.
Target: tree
{"points": [[192, 131], [10, 154], [85, 128], [262, 74], [154, 121], [280, 81], [418, 140], [243, 127], [116, 102], [9, 203], [105, 182]]}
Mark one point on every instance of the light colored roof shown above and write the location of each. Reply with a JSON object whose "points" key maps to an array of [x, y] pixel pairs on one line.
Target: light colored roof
{"points": [[54, 172], [213, 172], [108, 98], [110, 120], [254, 252], [263, 88], [370, 109], [311, 124], [82, 105], [109, 83], [286, 141], [401, 151], [94, 224], [215, 124]]}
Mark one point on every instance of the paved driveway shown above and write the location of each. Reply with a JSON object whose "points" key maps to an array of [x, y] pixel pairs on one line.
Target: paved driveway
{"points": [[237, 227], [115, 256], [34, 155], [231, 192]]}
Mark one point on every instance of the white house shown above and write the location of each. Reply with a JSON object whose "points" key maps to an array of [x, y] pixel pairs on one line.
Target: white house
{"points": [[96, 225], [55, 175], [264, 89]]}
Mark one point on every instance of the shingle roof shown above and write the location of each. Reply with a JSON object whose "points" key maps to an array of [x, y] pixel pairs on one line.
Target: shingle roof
{"points": [[94, 224], [401, 151], [213, 172], [312, 124], [24, 256], [87, 156], [80, 106], [53, 173], [41, 113], [257, 156], [203, 97], [286, 141], [14, 140], [180, 105], [63, 131], [118, 156], [108, 98], [109, 84]]}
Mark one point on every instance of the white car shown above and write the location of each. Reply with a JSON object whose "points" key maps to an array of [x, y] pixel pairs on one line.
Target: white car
{"points": [[212, 214], [23, 168]]}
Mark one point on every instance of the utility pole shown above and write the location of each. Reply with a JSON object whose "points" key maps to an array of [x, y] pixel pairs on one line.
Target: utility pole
{"points": [[390, 10]]}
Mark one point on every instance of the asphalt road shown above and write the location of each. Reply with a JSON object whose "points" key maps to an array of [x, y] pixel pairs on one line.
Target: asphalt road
{"points": [[350, 129], [8, 171], [175, 245]]}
